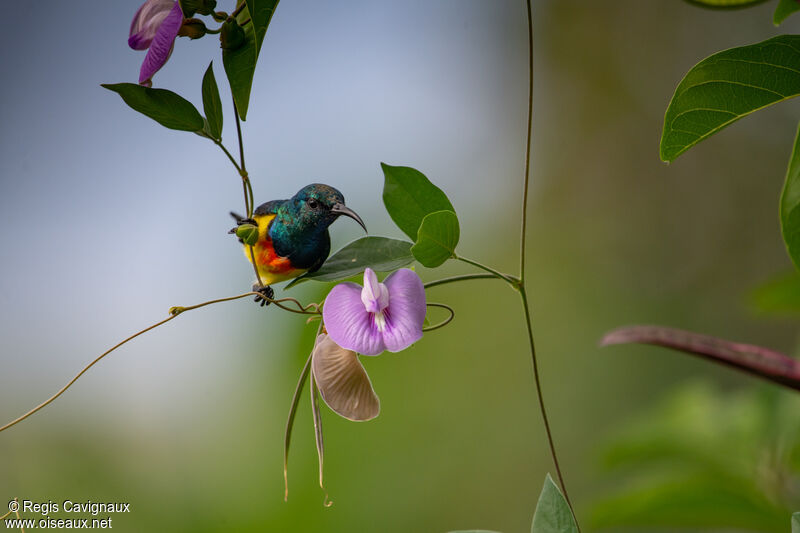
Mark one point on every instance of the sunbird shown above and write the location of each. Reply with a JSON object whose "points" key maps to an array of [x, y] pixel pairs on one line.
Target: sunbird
{"points": [[293, 234]]}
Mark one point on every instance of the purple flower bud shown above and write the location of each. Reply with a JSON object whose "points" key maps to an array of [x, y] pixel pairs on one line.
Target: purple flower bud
{"points": [[155, 27], [379, 316], [146, 22]]}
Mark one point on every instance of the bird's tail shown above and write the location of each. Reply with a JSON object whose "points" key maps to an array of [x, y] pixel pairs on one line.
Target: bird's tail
{"points": [[238, 218]]}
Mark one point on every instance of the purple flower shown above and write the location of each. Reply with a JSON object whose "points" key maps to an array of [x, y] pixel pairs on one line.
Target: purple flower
{"points": [[155, 26], [342, 381], [379, 316]]}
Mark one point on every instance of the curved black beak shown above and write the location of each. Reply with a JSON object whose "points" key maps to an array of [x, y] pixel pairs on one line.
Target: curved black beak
{"points": [[341, 209]]}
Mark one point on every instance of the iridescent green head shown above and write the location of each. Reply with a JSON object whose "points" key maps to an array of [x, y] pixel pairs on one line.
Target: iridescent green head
{"points": [[314, 208]]}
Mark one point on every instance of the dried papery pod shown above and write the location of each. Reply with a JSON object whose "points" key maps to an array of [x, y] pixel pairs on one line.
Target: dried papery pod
{"points": [[343, 382]]}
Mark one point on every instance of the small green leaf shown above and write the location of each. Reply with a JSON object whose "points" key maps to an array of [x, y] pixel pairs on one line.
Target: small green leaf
{"points": [[727, 86], [437, 238], [212, 105], [724, 4], [378, 253], [240, 64], [779, 295], [409, 196], [790, 204], [553, 515], [784, 9], [163, 106], [795, 522]]}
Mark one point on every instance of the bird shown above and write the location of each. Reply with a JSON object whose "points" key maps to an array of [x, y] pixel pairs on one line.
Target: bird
{"points": [[293, 235]]}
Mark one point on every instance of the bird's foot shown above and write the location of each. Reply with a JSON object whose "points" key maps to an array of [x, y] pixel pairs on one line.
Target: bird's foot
{"points": [[266, 293]]}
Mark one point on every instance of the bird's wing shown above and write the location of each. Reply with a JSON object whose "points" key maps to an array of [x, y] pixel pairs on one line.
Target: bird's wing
{"points": [[268, 208]]}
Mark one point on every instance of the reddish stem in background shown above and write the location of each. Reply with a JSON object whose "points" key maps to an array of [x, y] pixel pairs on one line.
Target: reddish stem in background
{"points": [[757, 360]]}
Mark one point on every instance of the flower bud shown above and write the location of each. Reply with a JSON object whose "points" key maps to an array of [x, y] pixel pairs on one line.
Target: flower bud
{"points": [[192, 28], [248, 233], [232, 36]]}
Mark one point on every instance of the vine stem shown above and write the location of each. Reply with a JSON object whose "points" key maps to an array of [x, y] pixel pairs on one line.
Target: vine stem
{"points": [[310, 309], [505, 277], [174, 313], [230, 157], [453, 279], [524, 223], [524, 297], [248, 188], [521, 282]]}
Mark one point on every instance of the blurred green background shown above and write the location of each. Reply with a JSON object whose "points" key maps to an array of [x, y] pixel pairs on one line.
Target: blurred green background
{"points": [[109, 219]]}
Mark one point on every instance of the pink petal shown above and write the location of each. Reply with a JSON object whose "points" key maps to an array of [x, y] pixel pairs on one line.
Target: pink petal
{"points": [[161, 46], [343, 382], [348, 322], [406, 312], [374, 295], [146, 21]]}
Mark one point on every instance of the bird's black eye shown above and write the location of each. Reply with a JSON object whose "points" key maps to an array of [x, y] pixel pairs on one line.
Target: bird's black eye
{"points": [[313, 203]]}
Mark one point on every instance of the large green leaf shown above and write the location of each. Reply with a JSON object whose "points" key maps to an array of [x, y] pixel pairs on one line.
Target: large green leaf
{"points": [[784, 9], [163, 106], [261, 12], [240, 64], [790, 204], [378, 253], [724, 4], [212, 105], [437, 238], [409, 196], [723, 88], [795, 522], [553, 515]]}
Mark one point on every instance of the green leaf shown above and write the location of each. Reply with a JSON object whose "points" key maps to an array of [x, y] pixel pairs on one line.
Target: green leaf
{"points": [[723, 88], [212, 105], [779, 295], [480, 531], [724, 4], [795, 522], [378, 253], [552, 515], [163, 106], [784, 9], [261, 12], [790, 204], [240, 64], [409, 196], [437, 238]]}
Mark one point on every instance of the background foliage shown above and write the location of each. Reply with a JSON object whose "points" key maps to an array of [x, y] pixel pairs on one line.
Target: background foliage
{"points": [[109, 220]]}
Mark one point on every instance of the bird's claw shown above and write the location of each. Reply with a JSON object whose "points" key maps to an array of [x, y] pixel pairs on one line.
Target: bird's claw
{"points": [[266, 295]]}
